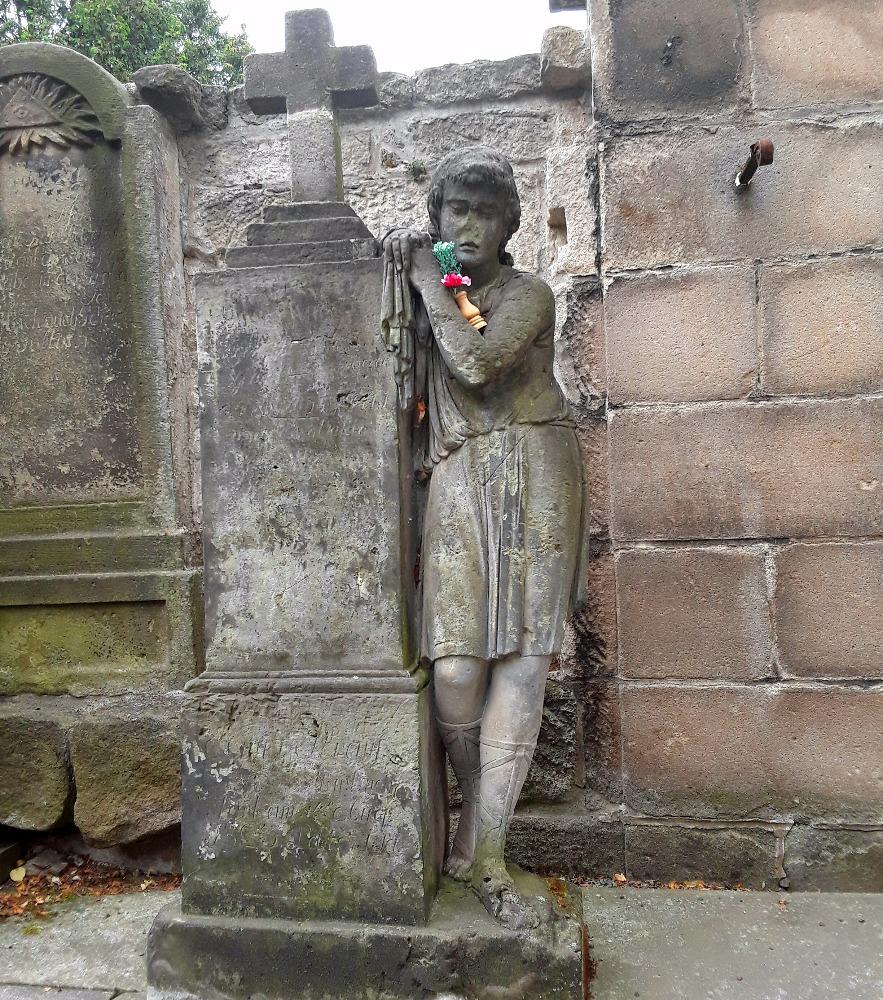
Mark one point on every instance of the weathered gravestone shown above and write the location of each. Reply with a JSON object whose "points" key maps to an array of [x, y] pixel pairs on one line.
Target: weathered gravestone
{"points": [[314, 814], [97, 594]]}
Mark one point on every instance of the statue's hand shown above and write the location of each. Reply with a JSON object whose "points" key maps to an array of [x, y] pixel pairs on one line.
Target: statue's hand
{"points": [[400, 244], [423, 269]]}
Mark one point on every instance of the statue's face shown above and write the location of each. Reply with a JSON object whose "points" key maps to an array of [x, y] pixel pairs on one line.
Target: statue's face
{"points": [[472, 218]]}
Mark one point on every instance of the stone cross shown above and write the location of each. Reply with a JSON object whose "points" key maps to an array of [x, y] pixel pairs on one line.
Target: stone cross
{"points": [[309, 80]]}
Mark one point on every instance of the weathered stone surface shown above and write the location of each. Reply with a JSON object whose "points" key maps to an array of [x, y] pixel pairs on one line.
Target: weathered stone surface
{"points": [[67, 345], [308, 806], [252, 151], [35, 781], [462, 951], [553, 770], [743, 855], [396, 90], [681, 336], [832, 860], [800, 469], [478, 81], [822, 327], [286, 586], [580, 356], [816, 52], [828, 607], [671, 198], [590, 647], [571, 195], [740, 945], [693, 613], [602, 745], [127, 775], [218, 217], [519, 133], [565, 59], [581, 845], [181, 98], [769, 752], [656, 59], [83, 648]]}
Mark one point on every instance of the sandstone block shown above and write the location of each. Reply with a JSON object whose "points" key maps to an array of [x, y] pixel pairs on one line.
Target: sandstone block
{"points": [[482, 80], [602, 745], [571, 194], [822, 327], [580, 356], [731, 855], [520, 133], [565, 59], [590, 640], [553, 771], [671, 198], [828, 606], [252, 151], [35, 782], [768, 470], [579, 845], [681, 336], [819, 860], [127, 774], [656, 59], [181, 98], [816, 52], [765, 752], [699, 613]]}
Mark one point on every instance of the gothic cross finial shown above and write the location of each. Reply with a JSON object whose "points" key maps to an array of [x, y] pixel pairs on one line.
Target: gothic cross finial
{"points": [[309, 80]]}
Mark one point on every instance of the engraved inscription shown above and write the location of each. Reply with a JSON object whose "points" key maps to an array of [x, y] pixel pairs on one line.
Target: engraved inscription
{"points": [[69, 420], [309, 787]]}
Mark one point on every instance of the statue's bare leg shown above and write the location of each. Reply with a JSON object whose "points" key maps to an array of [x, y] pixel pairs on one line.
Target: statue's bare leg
{"points": [[460, 685], [512, 716]]}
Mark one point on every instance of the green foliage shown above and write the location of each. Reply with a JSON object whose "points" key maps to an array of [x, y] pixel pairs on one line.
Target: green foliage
{"points": [[124, 35], [447, 259]]}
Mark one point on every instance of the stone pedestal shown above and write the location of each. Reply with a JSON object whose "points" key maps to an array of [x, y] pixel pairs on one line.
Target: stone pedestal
{"points": [[314, 791], [462, 953]]}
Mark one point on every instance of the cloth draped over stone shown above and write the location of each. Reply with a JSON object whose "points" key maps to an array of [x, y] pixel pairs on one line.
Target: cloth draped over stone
{"points": [[398, 323]]}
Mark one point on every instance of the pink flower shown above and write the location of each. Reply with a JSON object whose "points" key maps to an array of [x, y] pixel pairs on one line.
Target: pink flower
{"points": [[456, 280]]}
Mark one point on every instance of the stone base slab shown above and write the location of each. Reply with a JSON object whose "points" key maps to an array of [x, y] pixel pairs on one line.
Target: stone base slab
{"points": [[462, 954]]}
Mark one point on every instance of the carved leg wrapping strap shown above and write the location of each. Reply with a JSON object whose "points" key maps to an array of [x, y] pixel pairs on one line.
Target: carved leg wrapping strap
{"points": [[504, 767], [462, 745]]}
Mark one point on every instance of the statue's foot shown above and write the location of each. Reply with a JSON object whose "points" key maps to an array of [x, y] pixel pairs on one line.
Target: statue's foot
{"points": [[458, 863], [494, 887], [458, 866]]}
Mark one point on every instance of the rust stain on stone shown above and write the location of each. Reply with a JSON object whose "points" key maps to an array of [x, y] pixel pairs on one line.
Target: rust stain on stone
{"points": [[590, 967]]}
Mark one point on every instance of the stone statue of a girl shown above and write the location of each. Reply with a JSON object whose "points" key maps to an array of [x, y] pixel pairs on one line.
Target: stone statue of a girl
{"points": [[503, 537]]}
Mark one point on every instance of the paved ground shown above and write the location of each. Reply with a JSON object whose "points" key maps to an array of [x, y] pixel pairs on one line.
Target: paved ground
{"points": [[647, 944], [683, 945]]}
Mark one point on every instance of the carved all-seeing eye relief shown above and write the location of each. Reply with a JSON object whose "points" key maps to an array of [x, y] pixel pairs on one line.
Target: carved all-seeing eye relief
{"points": [[36, 110]]}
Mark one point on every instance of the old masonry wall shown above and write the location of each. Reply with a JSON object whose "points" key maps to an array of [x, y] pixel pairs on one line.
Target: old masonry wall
{"points": [[716, 712]]}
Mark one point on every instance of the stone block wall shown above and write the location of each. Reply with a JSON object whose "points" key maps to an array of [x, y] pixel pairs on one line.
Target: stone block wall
{"points": [[744, 345]]}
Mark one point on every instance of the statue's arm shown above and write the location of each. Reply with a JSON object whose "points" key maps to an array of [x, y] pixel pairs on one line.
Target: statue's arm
{"points": [[527, 309]]}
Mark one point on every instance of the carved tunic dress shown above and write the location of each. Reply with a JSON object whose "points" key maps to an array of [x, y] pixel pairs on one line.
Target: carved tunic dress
{"points": [[503, 537]]}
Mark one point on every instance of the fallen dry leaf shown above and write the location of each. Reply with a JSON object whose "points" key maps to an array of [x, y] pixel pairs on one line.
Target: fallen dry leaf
{"points": [[620, 879], [18, 874]]}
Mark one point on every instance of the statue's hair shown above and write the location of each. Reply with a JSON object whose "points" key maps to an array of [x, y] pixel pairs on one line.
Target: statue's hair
{"points": [[480, 166]]}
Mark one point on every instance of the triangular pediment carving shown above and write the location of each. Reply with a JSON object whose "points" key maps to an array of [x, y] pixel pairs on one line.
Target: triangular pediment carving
{"points": [[36, 111]]}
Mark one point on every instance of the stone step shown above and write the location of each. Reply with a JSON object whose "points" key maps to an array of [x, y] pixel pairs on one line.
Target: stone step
{"points": [[348, 227], [279, 254], [307, 210]]}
